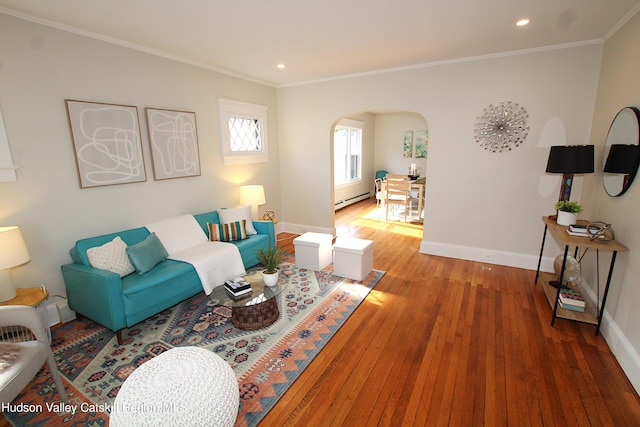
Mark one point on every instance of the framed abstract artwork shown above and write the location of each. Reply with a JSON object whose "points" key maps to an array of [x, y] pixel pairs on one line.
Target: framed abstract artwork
{"points": [[106, 139], [407, 150], [422, 137], [174, 143]]}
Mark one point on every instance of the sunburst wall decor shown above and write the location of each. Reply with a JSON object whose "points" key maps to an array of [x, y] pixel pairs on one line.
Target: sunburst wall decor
{"points": [[501, 127]]}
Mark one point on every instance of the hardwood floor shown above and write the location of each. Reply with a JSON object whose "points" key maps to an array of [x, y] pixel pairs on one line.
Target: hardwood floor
{"points": [[442, 342]]}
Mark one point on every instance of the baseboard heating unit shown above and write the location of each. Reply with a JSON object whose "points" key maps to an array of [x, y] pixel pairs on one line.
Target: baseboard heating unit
{"points": [[351, 200]]}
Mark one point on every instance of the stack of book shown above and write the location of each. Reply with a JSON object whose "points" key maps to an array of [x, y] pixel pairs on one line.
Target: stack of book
{"points": [[237, 287], [579, 230], [571, 300]]}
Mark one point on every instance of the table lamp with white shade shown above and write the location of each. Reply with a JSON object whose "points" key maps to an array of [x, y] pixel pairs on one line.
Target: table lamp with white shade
{"points": [[13, 253], [252, 195]]}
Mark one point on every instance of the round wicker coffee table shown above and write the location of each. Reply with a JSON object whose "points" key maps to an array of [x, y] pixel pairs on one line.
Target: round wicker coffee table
{"points": [[254, 310]]}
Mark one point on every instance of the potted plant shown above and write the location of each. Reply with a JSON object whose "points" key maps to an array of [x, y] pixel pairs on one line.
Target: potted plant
{"points": [[568, 212], [270, 260]]}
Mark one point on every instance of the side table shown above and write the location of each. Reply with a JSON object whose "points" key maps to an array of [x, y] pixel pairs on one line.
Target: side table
{"points": [[559, 234], [32, 297]]}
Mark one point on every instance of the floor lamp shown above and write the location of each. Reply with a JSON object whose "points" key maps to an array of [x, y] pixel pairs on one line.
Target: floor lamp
{"points": [[13, 252], [569, 160]]}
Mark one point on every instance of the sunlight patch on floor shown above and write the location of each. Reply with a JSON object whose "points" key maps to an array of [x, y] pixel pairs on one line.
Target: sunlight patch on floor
{"points": [[356, 289], [398, 227], [379, 214], [376, 297]]}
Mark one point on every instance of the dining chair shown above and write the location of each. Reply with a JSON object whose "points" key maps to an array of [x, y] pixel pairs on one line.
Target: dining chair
{"points": [[418, 192], [379, 179], [22, 356], [398, 193], [381, 174], [379, 192]]}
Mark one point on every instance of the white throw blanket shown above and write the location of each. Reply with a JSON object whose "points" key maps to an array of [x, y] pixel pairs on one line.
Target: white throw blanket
{"points": [[214, 262], [184, 240], [178, 233]]}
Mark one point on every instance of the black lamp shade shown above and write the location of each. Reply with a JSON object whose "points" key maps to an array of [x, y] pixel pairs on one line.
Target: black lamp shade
{"points": [[570, 159], [622, 159]]}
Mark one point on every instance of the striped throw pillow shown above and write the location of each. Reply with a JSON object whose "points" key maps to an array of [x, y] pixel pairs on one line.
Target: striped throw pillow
{"points": [[227, 232]]}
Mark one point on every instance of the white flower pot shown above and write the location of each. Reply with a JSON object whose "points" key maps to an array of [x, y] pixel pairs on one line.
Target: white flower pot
{"points": [[566, 218], [270, 279]]}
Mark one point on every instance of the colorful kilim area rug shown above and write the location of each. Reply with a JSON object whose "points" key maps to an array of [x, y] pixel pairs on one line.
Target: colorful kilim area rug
{"points": [[266, 361]]}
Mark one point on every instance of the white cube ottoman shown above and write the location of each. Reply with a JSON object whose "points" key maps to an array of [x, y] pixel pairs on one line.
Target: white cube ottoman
{"points": [[352, 258], [313, 250]]}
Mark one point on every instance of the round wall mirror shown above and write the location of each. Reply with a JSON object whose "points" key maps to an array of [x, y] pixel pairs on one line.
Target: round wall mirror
{"points": [[621, 152]]}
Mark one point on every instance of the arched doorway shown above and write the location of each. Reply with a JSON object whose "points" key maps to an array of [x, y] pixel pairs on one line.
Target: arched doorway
{"points": [[392, 140]]}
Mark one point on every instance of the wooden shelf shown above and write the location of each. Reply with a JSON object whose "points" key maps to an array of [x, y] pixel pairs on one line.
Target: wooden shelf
{"points": [[585, 317], [559, 234]]}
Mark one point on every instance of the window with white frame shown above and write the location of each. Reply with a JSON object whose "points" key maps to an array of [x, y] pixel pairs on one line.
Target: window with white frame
{"points": [[243, 129], [347, 152]]}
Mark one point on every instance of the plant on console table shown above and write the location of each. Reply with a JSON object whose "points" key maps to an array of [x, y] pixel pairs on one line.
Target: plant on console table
{"points": [[568, 212], [270, 260]]}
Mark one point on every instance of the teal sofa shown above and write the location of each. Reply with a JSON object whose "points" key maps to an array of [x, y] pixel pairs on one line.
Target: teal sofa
{"points": [[117, 303]]}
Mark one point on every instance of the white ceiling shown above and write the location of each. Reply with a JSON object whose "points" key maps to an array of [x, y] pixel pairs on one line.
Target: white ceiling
{"points": [[326, 39]]}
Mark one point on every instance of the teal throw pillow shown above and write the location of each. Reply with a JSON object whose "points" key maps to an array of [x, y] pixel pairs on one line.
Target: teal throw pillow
{"points": [[147, 254]]}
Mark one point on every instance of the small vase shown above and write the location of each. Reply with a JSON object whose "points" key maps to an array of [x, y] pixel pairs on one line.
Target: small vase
{"points": [[566, 218], [270, 279]]}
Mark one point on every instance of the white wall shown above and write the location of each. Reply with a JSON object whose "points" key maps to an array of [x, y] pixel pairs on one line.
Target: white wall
{"points": [[619, 87], [39, 68], [477, 201], [390, 128]]}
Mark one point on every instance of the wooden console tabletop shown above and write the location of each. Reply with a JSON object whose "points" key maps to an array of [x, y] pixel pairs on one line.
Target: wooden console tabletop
{"points": [[28, 296]]}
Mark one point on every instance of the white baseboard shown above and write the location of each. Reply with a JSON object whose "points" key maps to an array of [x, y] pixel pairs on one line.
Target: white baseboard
{"points": [[288, 227], [488, 256], [622, 349], [625, 354], [58, 312]]}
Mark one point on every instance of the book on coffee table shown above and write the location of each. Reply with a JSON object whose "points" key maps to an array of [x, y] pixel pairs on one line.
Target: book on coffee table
{"points": [[237, 287]]}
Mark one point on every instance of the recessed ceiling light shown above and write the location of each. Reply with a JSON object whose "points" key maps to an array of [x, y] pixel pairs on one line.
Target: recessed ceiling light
{"points": [[522, 22], [280, 66]]}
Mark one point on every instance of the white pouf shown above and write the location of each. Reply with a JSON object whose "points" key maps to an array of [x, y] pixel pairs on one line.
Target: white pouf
{"points": [[352, 258], [186, 386], [313, 250]]}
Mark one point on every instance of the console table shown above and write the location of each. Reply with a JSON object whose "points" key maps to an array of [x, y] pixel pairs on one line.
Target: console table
{"points": [[559, 234]]}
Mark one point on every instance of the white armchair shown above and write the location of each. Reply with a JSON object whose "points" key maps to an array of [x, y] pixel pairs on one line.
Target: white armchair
{"points": [[22, 360]]}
